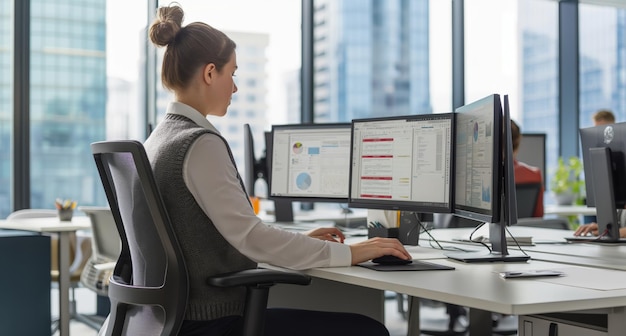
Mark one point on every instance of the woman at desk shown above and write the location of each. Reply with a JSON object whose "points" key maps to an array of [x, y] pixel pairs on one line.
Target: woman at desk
{"points": [[208, 206]]}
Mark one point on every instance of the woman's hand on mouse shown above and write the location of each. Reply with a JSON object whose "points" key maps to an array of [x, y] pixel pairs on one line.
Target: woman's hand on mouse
{"points": [[378, 247]]}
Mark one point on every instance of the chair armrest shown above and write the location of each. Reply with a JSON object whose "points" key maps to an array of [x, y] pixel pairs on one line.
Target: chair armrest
{"points": [[254, 277], [105, 266]]}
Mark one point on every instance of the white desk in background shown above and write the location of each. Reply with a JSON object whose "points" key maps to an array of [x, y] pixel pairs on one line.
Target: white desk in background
{"points": [[63, 229], [325, 215], [477, 286], [569, 210]]}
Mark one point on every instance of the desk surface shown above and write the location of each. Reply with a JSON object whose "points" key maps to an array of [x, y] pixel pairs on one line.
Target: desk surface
{"points": [[46, 224], [324, 215], [569, 210], [478, 285], [551, 246]]}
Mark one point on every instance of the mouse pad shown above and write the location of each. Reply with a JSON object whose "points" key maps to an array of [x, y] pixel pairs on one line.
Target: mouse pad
{"points": [[414, 266]]}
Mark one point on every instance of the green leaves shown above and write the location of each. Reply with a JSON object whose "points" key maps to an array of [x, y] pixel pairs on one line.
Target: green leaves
{"points": [[566, 178]]}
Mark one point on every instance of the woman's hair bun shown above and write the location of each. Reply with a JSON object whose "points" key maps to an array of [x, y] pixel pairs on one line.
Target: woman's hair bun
{"points": [[167, 24]]}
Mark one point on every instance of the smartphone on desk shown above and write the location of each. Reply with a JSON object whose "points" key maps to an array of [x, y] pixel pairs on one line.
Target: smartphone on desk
{"points": [[529, 274]]}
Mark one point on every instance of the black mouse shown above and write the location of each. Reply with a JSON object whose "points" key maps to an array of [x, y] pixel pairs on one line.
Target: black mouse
{"points": [[391, 260]]}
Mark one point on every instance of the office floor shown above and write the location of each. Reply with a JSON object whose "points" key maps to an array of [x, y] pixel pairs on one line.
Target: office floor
{"points": [[432, 316]]}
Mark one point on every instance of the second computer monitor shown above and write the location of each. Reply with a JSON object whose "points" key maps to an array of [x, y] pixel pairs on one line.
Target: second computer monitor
{"points": [[402, 163], [310, 162], [478, 164]]}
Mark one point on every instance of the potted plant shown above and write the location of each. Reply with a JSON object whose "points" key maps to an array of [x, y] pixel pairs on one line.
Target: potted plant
{"points": [[566, 183]]}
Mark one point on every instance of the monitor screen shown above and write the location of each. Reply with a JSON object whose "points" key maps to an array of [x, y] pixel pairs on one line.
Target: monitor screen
{"points": [[310, 162], [613, 137], [478, 159], [402, 163]]}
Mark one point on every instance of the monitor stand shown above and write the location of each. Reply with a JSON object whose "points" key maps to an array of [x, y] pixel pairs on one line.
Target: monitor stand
{"points": [[495, 255], [283, 211]]}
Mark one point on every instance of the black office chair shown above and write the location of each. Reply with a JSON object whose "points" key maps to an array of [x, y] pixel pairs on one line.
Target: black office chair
{"points": [[526, 195], [149, 286]]}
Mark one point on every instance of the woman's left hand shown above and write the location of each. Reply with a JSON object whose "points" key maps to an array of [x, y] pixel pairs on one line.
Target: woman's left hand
{"points": [[330, 234]]}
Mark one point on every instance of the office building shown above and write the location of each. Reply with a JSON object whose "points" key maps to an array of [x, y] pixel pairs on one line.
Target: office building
{"points": [[601, 64], [370, 59], [67, 100]]}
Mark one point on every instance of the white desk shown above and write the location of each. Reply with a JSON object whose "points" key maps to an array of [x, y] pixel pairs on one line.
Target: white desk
{"points": [[477, 286], [64, 229], [324, 215], [569, 210]]}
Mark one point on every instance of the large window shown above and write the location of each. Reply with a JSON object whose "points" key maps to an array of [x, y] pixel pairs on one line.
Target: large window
{"points": [[268, 56], [602, 62], [374, 58], [511, 47], [88, 76], [6, 104]]}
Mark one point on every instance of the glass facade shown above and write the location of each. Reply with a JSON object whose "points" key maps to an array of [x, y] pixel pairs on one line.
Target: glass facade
{"points": [[602, 66], [67, 99], [539, 76], [371, 59]]}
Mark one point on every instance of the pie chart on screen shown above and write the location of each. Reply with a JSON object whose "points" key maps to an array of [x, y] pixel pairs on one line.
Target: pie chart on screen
{"points": [[298, 148], [303, 181]]}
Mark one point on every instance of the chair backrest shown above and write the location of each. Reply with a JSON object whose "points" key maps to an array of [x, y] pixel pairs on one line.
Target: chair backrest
{"points": [[149, 286], [527, 194], [106, 246]]}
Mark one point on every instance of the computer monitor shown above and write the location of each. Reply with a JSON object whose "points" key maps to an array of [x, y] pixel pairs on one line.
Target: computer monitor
{"points": [[484, 188], [310, 162], [532, 151], [611, 136], [604, 162], [259, 168], [402, 163], [254, 168], [478, 163]]}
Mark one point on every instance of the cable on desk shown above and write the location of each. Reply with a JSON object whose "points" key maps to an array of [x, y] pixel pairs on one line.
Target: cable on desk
{"points": [[480, 242], [515, 240], [424, 229]]}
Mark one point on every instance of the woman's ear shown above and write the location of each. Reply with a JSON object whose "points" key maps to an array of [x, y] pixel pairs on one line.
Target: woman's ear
{"points": [[208, 73]]}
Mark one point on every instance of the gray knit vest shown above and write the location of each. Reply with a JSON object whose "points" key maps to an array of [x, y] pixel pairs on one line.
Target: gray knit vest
{"points": [[205, 251]]}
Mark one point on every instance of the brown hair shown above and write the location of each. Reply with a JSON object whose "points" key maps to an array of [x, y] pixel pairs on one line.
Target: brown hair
{"points": [[605, 116], [516, 135], [187, 48]]}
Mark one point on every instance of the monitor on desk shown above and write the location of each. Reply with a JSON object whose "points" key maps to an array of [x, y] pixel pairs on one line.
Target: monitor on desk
{"points": [[310, 162], [484, 188], [604, 162], [402, 163], [259, 169]]}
